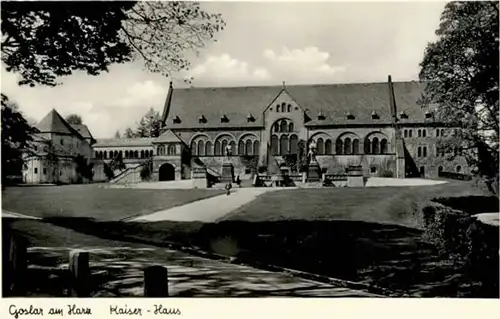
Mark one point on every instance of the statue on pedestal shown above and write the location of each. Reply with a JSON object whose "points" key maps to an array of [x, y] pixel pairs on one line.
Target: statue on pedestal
{"points": [[311, 156], [227, 153]]}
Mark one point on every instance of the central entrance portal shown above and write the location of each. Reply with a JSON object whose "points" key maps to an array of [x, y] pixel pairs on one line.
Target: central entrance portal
{"points": [[166, 172]]}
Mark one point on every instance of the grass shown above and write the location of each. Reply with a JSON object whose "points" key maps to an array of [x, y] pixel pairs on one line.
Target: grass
{"points": [[384, 205], [96, 202]]}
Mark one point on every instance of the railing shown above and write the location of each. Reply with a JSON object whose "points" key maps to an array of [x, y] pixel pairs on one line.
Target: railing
{"points": [[125, 173], [457, 176], [336, 177]]}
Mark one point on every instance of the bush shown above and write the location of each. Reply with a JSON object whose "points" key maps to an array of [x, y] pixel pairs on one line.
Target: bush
{"points": [[386, 173], [146, 172]]}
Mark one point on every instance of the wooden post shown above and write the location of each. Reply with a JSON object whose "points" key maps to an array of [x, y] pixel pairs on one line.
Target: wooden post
{"points": [[17, 264], [155, 281], [80, 273]]}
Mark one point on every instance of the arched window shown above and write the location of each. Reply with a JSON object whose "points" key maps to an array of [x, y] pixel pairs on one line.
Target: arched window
{"points": [[194, 149], [274, 145], [328, 147], [136, 154], [355, 146], [293, 144], [283, 126], [383, 146], [442, 132], [201, 148], [424, 151], [289, 108], [151, 153], [440, 170], [277, 125], [375, 146], [284, 145], [419, 151], [290, 127], [217, 151], [248, 147], [126, 154], [208, 148], [405, 133], [437, 132], [256, 146], [320, 146], [223, 147], [241, 148], [410, 133], [283, 107], [278, 107], [419, 133], [424, 132], [458, 169], [367, 146], [338, 146], [347, 146], [232, 147], [171, 150], [142, 153]]}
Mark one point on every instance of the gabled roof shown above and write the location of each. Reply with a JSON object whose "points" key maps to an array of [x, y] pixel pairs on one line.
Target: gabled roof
{"points": [[54, 123], [83, 130], [334, 101], [117, 142], [167, 137]]}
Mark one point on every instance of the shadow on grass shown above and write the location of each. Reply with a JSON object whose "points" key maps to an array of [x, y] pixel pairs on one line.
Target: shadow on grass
{"points": [[388, 256]]}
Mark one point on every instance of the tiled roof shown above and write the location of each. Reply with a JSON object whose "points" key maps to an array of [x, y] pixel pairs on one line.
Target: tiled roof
{"points": [[83, 130], [167, 137], [116, 142], [54, 123], [333, 101]]}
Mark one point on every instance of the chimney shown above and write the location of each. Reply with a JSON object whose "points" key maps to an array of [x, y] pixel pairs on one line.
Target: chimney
{"points": [[392, 100]]}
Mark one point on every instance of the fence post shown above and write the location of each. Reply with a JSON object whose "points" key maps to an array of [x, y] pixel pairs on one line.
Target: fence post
{"points": [[80, 273], [17, 264], [155, 281]]}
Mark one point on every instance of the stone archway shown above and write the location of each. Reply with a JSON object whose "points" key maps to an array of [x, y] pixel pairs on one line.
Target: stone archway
{"points": [[166, 172]]}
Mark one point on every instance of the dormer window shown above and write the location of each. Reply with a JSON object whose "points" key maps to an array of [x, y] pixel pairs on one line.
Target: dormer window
{"points": [[202, 119], [375, 116], [250, 118], [321, 117], [403, 115], [177, 120], [428, 115], [349, 116], [224, 119]]}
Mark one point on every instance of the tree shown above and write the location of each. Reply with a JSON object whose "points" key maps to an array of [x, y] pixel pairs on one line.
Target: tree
{"points": [[117, 134], [460, 72], [129, 133], [74, 119], [149, 125], [44, 40], [17, 139]]}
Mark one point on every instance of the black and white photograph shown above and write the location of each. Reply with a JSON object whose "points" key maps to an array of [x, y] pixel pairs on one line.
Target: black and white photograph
{"points": [[168, 149]]}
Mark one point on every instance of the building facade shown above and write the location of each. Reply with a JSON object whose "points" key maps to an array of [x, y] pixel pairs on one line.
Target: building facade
{"points": [[379, 126], [57, 147]]}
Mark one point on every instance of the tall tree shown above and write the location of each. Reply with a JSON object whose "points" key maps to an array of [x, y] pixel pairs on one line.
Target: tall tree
{"points": [[460, 70], [149, 124], [74, 119], [44, 40], [129, 133], [17, 138]]}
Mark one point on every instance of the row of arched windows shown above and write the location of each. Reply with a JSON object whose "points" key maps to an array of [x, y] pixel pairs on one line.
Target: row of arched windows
{"points": [[283, 126], [127, 154], [284, 144], [283, 107], [205, 148], [166, 150]]}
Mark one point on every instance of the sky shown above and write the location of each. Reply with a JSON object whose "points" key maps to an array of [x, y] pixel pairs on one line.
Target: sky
{"points": [[263, 43]]}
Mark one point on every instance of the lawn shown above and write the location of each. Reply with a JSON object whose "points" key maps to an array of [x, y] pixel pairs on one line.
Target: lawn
{"points": [[383, 205], [95, 201]]}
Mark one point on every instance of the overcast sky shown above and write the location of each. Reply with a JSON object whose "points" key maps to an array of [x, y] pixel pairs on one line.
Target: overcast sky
{"points": [[263, 43]]}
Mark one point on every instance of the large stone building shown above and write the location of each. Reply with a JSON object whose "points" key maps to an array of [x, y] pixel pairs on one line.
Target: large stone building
{"points": [[57, 146], [379, 126]]}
